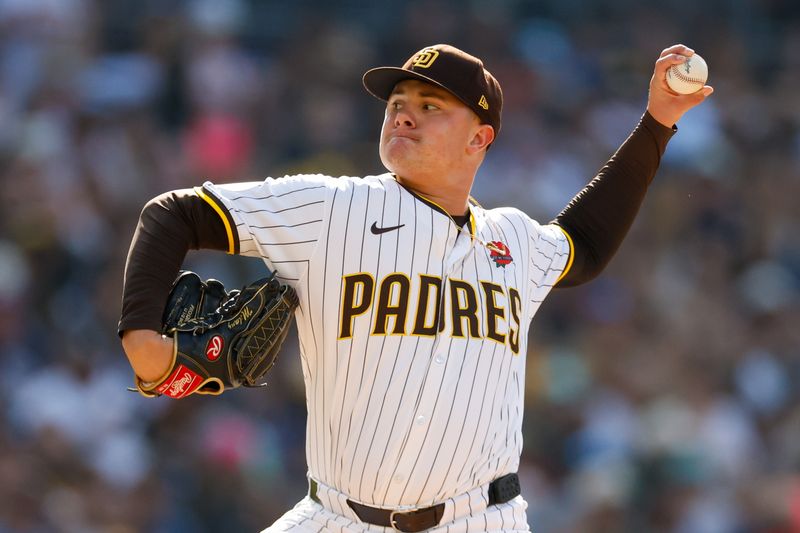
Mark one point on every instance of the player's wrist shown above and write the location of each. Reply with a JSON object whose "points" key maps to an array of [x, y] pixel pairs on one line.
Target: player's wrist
{"points": [[665, 119], [149, 352]]}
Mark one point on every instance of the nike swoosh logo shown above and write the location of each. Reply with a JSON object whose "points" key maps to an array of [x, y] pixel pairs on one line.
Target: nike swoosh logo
{"points": [[377, 231]]}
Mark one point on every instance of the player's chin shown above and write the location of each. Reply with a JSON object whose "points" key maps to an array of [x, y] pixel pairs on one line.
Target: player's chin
{"points": [[396, 156]]}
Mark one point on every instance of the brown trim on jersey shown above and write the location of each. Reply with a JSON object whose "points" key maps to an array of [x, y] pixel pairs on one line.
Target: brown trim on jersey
{"points": [[224, 214]]}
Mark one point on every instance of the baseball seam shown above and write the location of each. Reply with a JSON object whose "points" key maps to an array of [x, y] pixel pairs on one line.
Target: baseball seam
{"points": [[677, 73]]}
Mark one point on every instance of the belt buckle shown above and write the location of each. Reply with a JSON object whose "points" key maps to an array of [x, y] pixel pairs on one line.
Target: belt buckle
{"points": [[392, 522]]}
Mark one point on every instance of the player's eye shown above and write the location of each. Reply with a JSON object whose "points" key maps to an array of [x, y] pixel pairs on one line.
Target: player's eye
{"points": [[430, 107], [395, 105]]}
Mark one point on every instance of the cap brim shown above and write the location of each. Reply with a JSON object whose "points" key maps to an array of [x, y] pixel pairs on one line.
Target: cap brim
{"points": [[380, 81]]}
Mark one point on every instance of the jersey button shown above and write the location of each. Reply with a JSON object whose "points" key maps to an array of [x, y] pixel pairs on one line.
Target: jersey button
{"points": [[420, 420], [439, 359], [398, 478]]}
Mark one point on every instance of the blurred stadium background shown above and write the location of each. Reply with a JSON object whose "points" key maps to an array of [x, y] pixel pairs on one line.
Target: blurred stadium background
{"points": [[663, 397]]}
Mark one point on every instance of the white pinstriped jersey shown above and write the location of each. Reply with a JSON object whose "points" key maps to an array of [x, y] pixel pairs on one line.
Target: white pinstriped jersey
{"points": [[413, 331]]}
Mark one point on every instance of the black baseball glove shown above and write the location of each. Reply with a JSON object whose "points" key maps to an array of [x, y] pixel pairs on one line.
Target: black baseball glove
{"points": [[222, 340]]}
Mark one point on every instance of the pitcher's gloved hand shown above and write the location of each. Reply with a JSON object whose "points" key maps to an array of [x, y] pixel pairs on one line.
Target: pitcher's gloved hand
{"points": [[222, 340]]}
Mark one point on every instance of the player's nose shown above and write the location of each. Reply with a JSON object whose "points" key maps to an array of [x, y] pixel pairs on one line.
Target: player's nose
{"points": [[404, 118]]}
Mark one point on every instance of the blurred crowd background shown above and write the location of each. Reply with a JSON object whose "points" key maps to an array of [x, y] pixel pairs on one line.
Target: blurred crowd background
{"points": [[663, 397]]}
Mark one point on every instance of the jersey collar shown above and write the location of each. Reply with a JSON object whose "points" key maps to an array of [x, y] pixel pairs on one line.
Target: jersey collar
{"points": [[436, 207]]}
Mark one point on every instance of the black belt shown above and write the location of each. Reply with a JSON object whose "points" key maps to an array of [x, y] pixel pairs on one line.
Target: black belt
{"points": [[501, 490]]}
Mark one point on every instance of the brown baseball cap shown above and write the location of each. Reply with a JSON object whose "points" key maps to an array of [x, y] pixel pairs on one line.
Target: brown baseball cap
{"points": [[451, 69]]}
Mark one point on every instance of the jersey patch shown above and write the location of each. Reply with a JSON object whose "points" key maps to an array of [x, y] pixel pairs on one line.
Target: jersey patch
{"points": [[499, 253]]}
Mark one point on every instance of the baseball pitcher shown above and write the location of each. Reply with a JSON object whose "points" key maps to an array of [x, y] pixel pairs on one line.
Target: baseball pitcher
{"points": [[412, 302]]}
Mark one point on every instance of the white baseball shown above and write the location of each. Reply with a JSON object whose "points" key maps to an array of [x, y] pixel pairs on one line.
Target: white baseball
{"points": [[688, 77]]}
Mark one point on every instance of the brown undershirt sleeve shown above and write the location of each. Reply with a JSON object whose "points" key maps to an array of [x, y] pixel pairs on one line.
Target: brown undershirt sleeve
{"points": [[599, 216], [169, 226]]}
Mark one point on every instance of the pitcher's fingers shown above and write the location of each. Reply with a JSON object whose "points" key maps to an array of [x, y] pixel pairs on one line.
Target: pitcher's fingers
{"points": [[664, 62], [677, 49], [698, 97]]}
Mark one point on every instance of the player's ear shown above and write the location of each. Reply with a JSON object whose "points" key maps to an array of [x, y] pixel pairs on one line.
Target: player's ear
{"points": [[481, 138]]}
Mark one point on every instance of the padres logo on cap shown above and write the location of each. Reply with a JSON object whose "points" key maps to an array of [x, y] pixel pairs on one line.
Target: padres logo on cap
{"points": [[483, 103], [425, 58]]}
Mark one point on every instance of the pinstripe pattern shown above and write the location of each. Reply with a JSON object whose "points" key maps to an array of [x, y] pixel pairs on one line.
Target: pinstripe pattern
{"points": [[410, 418]]}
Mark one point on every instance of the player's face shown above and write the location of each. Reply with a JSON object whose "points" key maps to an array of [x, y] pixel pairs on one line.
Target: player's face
{"points": [[426, 131]]}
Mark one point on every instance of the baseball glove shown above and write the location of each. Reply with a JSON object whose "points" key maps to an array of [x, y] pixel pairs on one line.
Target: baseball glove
{"points": [[222, 340]]}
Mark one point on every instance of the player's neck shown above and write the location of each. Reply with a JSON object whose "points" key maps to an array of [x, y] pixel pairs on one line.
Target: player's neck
{"points": [[453, 200]]}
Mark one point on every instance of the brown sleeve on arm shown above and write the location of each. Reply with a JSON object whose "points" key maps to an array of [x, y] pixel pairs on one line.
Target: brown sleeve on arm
{"points": [[169, 226], [599, 216]]}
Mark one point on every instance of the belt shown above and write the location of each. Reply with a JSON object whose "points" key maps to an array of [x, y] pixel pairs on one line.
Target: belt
{"points": [[501, 490]]}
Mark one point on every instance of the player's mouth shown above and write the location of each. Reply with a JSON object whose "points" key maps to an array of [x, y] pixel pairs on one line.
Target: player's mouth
{"points": [[401, 135]]}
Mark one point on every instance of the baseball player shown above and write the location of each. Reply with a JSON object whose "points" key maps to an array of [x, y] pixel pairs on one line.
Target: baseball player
{"points": [[414, 301]]}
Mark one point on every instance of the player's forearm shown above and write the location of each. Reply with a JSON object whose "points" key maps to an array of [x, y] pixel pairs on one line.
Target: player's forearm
{"points": [[149, 353], [598, 217]]}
